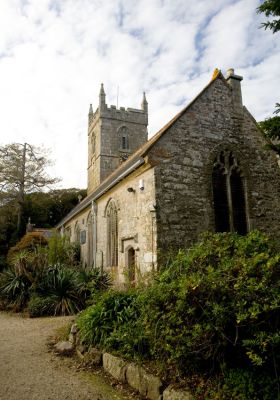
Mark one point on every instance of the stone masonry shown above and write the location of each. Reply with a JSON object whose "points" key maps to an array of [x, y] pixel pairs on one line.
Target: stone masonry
{"points": [[164, 193]]}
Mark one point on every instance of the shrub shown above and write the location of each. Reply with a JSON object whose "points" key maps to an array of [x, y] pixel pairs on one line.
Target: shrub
{"points": [[14, 289], [41, 306], [28, 242], [217, 305], [113, 324], [61, 285], [61, 251]]}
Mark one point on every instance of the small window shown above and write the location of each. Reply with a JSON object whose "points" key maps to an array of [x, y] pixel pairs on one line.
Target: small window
{"points": [[124, 136]]}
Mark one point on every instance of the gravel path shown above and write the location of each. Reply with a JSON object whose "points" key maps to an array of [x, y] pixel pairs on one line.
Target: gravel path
{"points": [[28, 371]]}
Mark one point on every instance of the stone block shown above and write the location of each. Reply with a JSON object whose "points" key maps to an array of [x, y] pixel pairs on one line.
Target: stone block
{"points": [[133, 376], [146, 384], [115, 366], [177, 394]]}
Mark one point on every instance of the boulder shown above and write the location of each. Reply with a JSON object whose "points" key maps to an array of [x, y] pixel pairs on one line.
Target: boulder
{"points": [[64, 348]]}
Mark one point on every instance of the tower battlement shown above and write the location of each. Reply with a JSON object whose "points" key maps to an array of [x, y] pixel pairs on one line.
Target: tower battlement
{"points": [[113, 134]]}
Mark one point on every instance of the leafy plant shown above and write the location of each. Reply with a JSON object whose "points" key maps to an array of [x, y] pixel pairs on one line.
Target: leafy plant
{"points": [[113, 323], [41, 306], [14, 289], [61, 285]]}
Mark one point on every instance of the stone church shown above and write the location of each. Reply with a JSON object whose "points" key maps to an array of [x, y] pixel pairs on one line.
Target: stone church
{"points": [[205, 170]]}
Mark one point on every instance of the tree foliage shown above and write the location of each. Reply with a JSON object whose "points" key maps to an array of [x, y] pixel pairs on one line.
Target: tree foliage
{"points": [[45, 209], [22, 171], [271, 129], [271, 8], [271, 126]]}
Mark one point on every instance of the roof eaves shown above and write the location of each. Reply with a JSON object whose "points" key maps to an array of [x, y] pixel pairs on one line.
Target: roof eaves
{"points": [[110, 182]]}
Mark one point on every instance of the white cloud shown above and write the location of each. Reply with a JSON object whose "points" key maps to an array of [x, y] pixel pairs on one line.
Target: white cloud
{"points": [[55, 53]]}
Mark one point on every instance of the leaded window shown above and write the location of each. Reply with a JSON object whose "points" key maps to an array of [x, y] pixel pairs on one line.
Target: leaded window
{"points": [[112, 234], [229, 194]]}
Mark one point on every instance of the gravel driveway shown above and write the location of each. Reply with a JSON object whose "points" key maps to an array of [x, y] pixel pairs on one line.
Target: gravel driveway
{"points": [[29, 372]]}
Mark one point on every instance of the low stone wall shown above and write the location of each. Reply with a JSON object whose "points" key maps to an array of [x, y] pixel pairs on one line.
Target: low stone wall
{"points": [[148, 385]]}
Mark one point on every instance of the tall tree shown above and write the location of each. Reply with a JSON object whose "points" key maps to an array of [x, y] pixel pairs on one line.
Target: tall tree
{"points": [[22, 171], [271, 8]]}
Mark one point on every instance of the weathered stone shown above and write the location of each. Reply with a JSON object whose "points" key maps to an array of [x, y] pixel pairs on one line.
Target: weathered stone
{"points": [[93, 356], [81, 348], [72, 338], [64, 348], [115, 366], [150, 386], [74, 329], [133, 376], [147, 385], [171, 196], [177, 394]]}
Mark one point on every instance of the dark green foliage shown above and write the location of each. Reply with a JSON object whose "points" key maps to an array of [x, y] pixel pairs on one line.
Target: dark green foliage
{"points": [[50, 280], [62, 286], [217, 305], [14, 289], [41, 306], [212, 310], [271, 8], [112, 323], [45, 209], [241, 384], [271, 130]]}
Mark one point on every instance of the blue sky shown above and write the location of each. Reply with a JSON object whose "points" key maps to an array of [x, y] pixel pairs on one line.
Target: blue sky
{"points": [[55, 53]]}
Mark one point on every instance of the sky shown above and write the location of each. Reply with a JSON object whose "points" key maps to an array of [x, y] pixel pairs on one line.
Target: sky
{"points": [[54, 54]]}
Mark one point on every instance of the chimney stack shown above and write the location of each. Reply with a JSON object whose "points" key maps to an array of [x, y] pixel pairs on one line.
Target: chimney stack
{"points": [[234, 81]]}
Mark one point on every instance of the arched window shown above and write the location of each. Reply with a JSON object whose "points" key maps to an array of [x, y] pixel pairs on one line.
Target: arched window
{"points": [[229, 194], [90, 240], [124, 136], [112, 234], [77, 233]]}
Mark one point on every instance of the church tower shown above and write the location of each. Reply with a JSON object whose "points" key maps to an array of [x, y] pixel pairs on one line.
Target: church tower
{"points": [[113, 135]]}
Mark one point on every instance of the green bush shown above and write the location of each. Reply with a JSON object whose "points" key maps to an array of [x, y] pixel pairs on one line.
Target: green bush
{"points": [[14, 289], [62, 286], [113, 323], [41, 306], [217, 305], [211, 310]]}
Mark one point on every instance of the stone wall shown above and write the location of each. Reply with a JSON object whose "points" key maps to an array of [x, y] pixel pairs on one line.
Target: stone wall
{"points": [[137, 226], [183, 158]]}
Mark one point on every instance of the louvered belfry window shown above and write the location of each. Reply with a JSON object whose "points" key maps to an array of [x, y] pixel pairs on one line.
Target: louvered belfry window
{"points": [[228, 194], [112, 234]]}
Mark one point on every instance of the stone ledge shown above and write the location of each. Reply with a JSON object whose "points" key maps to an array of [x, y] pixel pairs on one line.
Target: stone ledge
{"points": [[149, 386], [115, 366], [146, 384]]}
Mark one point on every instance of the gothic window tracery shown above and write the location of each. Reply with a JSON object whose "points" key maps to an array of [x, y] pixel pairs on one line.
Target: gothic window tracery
{"points": [[229, 194], [112, 234]]}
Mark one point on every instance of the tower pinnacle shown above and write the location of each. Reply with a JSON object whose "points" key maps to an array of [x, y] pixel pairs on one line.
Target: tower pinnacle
{"points": [[102, 97], [144, 104]]}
